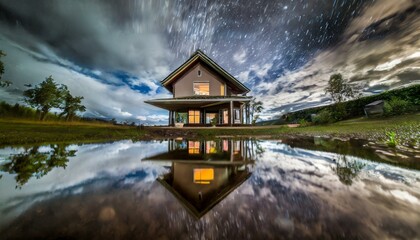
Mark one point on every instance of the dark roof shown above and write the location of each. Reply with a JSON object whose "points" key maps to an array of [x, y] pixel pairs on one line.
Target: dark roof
{"points": [[200, 56], [375, 103]]}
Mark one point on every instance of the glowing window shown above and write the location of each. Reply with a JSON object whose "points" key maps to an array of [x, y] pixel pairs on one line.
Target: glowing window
{"points": [[201, 88], [236, 147], [225, 116], [222, 90], [211, 147], [193, 147], [203, 175], [194, 116], [225, 145]]}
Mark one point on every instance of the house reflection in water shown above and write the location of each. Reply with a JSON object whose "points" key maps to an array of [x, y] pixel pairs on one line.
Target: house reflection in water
{"points": [[203, 173]]}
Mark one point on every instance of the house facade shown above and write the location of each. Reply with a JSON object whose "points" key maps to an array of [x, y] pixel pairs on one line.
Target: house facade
{"points": [[204, 94]]}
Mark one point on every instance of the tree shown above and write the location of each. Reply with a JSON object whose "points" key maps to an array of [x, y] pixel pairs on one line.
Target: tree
{"points": [[256, 107], [338, 89], [71, 105], [45, 96], [3, 83], [34, 163], [347, 170]]}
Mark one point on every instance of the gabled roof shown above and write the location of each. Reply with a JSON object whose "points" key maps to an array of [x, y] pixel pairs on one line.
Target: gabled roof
{"points": [[195, 58]]}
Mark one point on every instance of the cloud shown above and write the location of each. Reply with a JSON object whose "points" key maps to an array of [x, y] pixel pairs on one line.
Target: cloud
{"points": [[154, 118], [93, 48], [240, 56], [100, 98], [391, 61], [92, 34]]}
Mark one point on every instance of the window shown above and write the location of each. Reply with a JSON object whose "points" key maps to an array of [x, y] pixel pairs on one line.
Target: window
{"points": [[210, 117], [199, 73], [226, 145], [225, 117], [193, 147], [237, 114], [222, 90], [211, 147], [201, 88], [194, 116], [236, 147]]}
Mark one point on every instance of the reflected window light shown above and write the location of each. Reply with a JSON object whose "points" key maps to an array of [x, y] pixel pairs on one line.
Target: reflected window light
{"points": [[236, 147], [193, 147], [203, 175], [211, 147], [225, 145]]}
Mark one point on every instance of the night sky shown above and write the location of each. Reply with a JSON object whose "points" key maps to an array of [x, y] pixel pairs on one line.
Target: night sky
{"points": [[114, 53]]}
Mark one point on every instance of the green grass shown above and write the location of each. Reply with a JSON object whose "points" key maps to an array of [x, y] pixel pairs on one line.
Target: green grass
{"points": [[406, 127], [14, 131]]}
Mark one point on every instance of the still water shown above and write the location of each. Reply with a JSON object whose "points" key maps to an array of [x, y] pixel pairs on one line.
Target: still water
{"points": [[196, 189]]}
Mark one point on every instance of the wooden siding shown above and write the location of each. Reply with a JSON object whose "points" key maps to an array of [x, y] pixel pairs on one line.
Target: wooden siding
{"points": [[184, 86]]}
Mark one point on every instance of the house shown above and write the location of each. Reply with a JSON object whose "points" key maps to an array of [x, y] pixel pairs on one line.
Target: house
{"points": [[204, 94], [204, 172]]}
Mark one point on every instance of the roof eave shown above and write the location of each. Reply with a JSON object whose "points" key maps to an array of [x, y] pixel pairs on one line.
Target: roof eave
{"points": [[200, 55]]}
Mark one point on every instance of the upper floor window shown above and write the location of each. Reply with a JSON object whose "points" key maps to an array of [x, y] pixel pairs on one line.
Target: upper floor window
{"points": [[201, 88], [199, 73]]}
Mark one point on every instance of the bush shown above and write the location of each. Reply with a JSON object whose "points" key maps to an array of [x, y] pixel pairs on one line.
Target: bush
{"points": [[339, 112], [304, 123], [323, 117], [396, 106], [355, 108]]}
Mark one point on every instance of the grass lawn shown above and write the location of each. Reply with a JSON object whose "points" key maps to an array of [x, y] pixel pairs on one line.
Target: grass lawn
{"points": [[13, 131]]}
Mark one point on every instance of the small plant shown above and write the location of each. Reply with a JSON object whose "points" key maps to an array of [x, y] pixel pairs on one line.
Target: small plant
{"points": [[213, 122], [303, 123], [391, 141]]}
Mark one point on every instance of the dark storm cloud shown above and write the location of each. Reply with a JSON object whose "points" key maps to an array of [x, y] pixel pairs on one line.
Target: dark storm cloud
{"points": [[283, 50], [91, 34], [387, 59]]}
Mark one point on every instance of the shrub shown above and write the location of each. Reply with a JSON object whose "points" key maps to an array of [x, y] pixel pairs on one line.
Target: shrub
{"points": [[355, 108], [339, 112], [304, 123], [396, 106], [323, 117]]}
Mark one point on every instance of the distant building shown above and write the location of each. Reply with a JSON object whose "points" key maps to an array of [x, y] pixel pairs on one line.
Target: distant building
{"points": [[203, 91], [375, 108]]}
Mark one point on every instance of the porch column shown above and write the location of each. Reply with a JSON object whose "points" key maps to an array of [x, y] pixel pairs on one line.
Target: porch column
{"points": [[243, 114], [249, 114], [231, 113], [246, 113], [173, 118], [170, 118]]}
